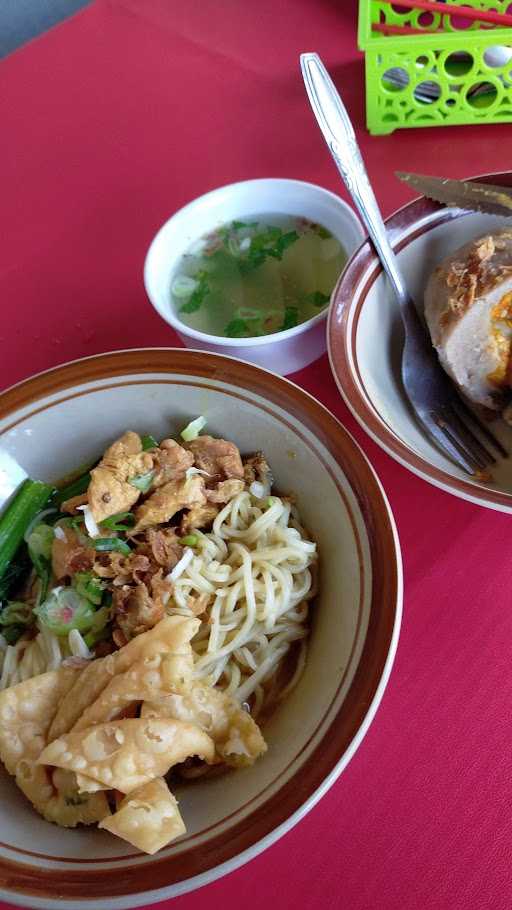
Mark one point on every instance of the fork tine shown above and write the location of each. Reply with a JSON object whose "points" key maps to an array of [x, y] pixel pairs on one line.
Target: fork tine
{"points": [[461, 405], [466, 436], [444, 441]]}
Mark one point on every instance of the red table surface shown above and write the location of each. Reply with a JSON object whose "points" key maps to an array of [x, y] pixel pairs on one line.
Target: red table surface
{"points": [[111, 122]]}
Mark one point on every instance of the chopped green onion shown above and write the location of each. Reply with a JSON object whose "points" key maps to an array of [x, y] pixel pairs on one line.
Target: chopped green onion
{"points": [[28, 501], [105, 544], [291, 317], [196, 299], [65, 610], [75, 488], [123, 521], [316, 298], [88, 585], [193, 429], [148, 442], [142, 482], [183, 286], [98, 630], [190, 541], [40, 543]]}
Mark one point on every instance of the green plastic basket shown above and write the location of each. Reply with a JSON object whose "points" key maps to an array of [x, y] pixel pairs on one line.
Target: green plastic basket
{"points": [[434, 79]]}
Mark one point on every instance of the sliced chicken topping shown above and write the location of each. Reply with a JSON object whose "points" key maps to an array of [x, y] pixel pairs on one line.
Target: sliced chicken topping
{"points": [[134, 610], [219, 458], [163, 504], [70, 556], [200, 516], [71, 505], [171, 461], [225, 490], [110, 491], [257, 468]]}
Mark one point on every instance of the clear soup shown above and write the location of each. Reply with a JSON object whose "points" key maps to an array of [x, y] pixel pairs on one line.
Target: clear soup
{"points": [[252, 278]]}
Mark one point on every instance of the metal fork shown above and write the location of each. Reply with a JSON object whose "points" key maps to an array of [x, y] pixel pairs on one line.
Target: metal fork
{"points": [[438, 408]]}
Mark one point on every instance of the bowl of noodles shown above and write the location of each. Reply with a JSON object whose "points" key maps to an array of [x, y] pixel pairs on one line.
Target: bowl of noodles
{"points": [[200, 585]]}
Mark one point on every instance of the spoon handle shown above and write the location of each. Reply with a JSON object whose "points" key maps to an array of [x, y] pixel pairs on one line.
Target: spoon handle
{"points": [[339, 135]]}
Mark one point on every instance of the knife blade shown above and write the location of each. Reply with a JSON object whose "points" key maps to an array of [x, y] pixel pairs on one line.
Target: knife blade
{"points": [[464, 194]]}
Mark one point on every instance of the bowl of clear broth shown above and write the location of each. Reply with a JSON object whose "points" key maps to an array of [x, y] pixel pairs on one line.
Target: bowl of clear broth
{"points": [[248, 270]]}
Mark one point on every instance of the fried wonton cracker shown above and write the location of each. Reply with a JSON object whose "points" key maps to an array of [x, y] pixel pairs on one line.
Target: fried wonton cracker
{"points": [[148, 817], [151, 678], [26, 712], [127, 754], [170, 636], [54, 794], [237, 737]]}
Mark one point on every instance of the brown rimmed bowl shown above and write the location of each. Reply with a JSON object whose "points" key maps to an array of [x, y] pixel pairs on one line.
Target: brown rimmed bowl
{"points": [[64, 418], [365, 339]]}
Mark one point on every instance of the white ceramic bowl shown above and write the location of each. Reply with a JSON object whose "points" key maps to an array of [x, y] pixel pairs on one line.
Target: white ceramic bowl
{"points": [[283, 352], [64, 418], [365, 340]]}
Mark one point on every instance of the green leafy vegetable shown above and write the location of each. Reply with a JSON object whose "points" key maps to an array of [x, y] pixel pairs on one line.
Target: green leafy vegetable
{"points": [[28, 501], [88, 585], [15, 571], [316, 298], [123, 521], [148, 442], [13, 633], [291, 317], [75, 488], [65, 610], [237, 328], [193, 429], [106, 544], [191, 540], [197, 297], [238, 225], [40, 542], [15, 618], [141, 482], [321, 231]]}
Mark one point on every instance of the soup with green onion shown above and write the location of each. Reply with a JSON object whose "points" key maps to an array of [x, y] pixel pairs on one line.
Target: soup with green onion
{"points": [[253, 278]]}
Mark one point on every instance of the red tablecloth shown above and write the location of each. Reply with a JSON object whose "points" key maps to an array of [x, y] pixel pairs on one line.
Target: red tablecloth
{"points": [[109, 123]]}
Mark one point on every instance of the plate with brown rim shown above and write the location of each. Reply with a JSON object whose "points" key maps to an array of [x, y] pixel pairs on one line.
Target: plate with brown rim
{"points": [[64, 418], [365, 341]]}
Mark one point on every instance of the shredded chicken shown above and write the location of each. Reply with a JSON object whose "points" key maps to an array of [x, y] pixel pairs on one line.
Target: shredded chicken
{"points": [[218, 457], [123, 569], [134, 610], [109, 490], [70, 556], [200, 516], [225, 490], [171, 461], [163, 504]]}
